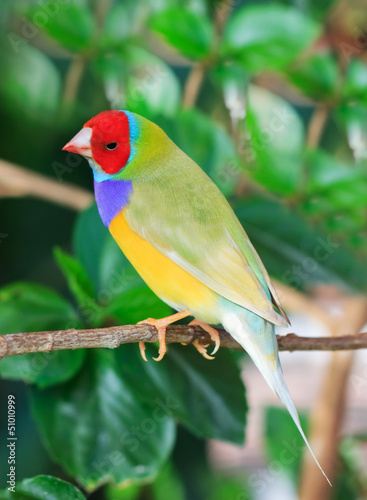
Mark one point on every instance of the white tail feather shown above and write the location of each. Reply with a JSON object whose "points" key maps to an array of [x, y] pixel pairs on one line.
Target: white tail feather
{"points": [[261, 346]]}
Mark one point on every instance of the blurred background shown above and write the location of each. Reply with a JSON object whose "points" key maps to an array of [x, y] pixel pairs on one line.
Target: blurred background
{"points": [[270, 99]]}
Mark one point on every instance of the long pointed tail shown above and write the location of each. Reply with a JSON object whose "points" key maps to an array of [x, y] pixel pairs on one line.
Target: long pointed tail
{"points": [[257, 337]]}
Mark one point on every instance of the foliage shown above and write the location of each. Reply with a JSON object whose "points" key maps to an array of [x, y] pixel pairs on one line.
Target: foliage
{"points": [[268, 73]]}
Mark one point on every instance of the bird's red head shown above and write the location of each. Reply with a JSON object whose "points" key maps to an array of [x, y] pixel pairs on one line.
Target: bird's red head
{"points": [[106, 139]]}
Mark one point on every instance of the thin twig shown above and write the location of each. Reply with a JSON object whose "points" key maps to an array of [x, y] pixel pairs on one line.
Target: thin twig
{"points": [[112, 337], [18, 181], [197, 73], [317, 125], [193, 85], [328, 411], [73, 79]]}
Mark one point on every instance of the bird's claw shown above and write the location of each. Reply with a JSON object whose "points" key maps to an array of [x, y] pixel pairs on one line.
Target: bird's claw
{"points": [[142, 350], [214, 335], [162, 343], [202, 349]]}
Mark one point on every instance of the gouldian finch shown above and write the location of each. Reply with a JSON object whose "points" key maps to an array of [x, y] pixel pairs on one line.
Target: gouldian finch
{"points": [[181, 235]]}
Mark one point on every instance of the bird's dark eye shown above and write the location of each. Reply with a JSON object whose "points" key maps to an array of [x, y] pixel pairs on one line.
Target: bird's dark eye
{"points": [[111, 146]]}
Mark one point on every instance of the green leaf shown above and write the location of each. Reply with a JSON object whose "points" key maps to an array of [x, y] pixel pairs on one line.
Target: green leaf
{"points": [[37, 95], [317, 76], [283, 443], [137, 80], [123, 20], [268, 36], [168, 485], [72, 24], [40, 307], [343, 186], [77, 278], [356, 80], [42, 487], [277, 135], [326, 171], [98, 430], [90, 239], [353, 117], [152, 87], [208, 397], [81, 287], [294, 251], [26, 307], [135, 303], [189, 32], [130, 492]]}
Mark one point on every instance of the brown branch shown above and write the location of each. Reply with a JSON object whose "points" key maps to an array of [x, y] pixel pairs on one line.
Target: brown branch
{"points": [[328, 411], [193, 85], [73, 79], [317, 125], [197, 73], [112, 337], [18, 181]]}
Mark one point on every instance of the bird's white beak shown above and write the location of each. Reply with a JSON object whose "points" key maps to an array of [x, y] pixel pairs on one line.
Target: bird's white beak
{"points": [[80, 143]]}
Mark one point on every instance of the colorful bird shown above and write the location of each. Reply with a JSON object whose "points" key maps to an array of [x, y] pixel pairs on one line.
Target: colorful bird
{"points": [[181, 235]]}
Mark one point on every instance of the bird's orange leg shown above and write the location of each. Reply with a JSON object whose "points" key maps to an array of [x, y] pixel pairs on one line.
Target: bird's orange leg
{"points": [[214, 335], [161, 326]]}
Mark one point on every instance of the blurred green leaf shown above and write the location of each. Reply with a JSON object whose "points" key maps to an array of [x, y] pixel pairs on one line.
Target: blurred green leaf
{"points": [[294, 251], [26, 307], [71, 24], [139, 81], [43, 369], [277, 134], [326, 171], [189, 32], [356, 80], [76, 276], [98, 430], [268, 36], [168, 485], [41, 488], [122, 21], [207, 397], [40, 307], [136, 303], [350, 475], [81, 287], [152, 87], [130, 492], [234, 80], [343, 186], [283, 442], [35, 95], [317, 76], [230, 487], [354, 118], [90, 240]]}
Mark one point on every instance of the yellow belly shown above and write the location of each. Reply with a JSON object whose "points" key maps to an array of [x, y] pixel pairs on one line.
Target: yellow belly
{"points": [[168, 280]]}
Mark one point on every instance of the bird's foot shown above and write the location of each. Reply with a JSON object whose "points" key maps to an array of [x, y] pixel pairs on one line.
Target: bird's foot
{"points": [[214, 335], [161, 326]]}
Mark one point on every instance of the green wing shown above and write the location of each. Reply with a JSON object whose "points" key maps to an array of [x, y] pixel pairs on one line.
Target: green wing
{"points": [[178, 209]]}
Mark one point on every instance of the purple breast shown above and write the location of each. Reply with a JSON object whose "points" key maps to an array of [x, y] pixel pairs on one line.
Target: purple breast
{"points": [[111, 197]]}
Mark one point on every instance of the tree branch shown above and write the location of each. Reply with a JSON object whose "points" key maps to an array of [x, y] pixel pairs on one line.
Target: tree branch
{"points": [[316, 126], [197, 73], [18, 181], [112, 337]]}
